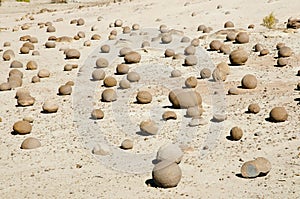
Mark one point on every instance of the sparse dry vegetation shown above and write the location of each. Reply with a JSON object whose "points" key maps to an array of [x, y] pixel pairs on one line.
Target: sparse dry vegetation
{"points": [[269, 21]]}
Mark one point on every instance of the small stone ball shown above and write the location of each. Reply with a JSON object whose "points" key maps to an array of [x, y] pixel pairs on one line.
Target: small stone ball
{"points": [[15, 72], [238, 57], [201, 28], [127, 144], [124, 84], [236, 133], [65, 90], [50, 107], [72, 54], [126, 30], [282, 61], [43, 73], [215, 45], [223, 66], [176, 73], [185, 39], [195, 42], [68, 67], [102, 63], [166, 39], [230, 36], [95, 37], [122, 69], [258, 47], [190, 50], [31, 65], [225, 49], [169, 52], [6, 44], [81, 34], [26, 100], [249, 82], [132, 57], [80, 22], [109, 95], [22, 127], [51, 29], [110, 81], [253, 108], [87, 43], [169, 115], [169, 152], [24, 50], [185, 98], [264, 52], [191, 60], [263, 165], [133, 76], [30, 143], [97, 114], [35, 79], [249, 169], [205, 73], [16, 64], [278, 114], [35, 53], [124, 51], [242, 38], [229, 24], [149, 127], [5, 87], [166, 174], [194, 111], [144, 97], [118, 23], [50, 44], [105, 48], [285, 52], [191, 82], [219, 75], [135, 26], [145, 44]]}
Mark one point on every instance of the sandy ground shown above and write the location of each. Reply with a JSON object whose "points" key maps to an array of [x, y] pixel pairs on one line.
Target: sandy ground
{"points": [[64, 166]]}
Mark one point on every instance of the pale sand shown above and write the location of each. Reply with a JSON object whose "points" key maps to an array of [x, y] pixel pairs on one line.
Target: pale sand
{"points": [[64, 167]]}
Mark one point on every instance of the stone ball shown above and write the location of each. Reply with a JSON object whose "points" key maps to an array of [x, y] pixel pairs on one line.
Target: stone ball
{"points": [[122, 69], [182, 98], [98, 74], [132, 57], [109, 95], [133, 76], [169, 152], [242, 38], [205, 73], [166, 174], [30, 143], [191, 82], [102, 63], [97, 114], [249, 82], [169, 115], [22, 127], [65, 90], [191, 60], [238, 57], [127, 144], [149, 127], [253, 108], [278, 114], [50, 107], [124, 84], [236, 133], [72, 54], [110, 81], [143, 97]]}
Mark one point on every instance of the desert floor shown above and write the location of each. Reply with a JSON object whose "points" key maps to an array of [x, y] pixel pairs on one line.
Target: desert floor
{"points": [[64, 166]]}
